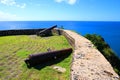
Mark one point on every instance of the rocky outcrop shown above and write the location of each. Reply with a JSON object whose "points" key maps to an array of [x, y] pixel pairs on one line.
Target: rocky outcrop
{"points": [[88, 63]]}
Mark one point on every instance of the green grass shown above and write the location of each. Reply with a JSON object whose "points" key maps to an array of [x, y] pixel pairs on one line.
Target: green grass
{"points": [[14, 49]]}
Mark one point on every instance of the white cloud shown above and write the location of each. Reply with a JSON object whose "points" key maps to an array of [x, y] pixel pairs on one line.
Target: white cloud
{"points": [[71, 2], [12, 3], [59, 1], [8, 17], [21, 6], [8, 2]]}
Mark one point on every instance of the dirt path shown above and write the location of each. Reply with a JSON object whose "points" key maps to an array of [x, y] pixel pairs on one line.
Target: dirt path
{"points": [[88, 63]]}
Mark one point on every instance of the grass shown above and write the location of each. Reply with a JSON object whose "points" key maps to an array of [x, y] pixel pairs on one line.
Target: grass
{"points": [[14, 49]]}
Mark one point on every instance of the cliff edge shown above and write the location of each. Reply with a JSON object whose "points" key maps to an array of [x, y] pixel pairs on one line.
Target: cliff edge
{"points": [[88, 63]]}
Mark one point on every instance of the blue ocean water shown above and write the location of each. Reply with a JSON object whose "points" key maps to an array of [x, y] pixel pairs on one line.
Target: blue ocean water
{"points": [[110, 31]]}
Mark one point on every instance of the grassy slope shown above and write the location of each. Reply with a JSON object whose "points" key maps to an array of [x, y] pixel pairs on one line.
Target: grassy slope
{"points": [[14, 49]]}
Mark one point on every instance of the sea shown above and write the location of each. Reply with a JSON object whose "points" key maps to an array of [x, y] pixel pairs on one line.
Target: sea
{"points": [[109, 30]]}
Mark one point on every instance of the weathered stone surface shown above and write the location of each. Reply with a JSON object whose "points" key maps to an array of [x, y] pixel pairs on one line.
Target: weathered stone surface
{"points": [[88, 63], [59, 69]]}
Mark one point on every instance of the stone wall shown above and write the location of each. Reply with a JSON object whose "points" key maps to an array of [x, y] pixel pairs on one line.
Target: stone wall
{"points": [[88, 63], [19, 32], [67, 36]]}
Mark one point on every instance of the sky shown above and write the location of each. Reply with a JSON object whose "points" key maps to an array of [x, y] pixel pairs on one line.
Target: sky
{"points": [[59, 10]]}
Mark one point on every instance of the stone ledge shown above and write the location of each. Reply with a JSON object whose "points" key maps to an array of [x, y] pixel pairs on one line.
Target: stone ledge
{"points": [[88, 63]]}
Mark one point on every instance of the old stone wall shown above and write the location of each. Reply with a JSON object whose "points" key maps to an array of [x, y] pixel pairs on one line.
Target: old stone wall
{"points": [[67, 36], [19, 32], [88, 63]]}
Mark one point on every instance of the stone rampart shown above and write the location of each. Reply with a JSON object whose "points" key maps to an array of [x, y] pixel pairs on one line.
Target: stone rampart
{"points": [[88, 63], [19, 32]]}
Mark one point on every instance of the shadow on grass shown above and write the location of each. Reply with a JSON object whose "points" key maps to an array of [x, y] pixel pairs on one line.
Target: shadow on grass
{"points": [[49, 63]]}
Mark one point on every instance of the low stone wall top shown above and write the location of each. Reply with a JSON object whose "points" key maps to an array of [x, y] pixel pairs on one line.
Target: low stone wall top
{"points": [[69, 38], [88, 63]]}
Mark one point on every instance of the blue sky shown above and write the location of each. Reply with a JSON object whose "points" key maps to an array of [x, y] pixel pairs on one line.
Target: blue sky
{"points": [[60, 10]]}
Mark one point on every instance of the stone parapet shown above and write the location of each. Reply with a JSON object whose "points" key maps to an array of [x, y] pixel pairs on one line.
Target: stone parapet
{"points": [[88, 63], [19, 32]]}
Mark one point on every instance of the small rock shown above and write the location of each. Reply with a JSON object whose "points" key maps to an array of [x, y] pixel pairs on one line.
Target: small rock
{"points": [[79, 56], [59, 69]]}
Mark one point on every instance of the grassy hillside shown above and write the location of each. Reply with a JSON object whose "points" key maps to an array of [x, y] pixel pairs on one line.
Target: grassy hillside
{"points": [[105, 49], [14, 49]]}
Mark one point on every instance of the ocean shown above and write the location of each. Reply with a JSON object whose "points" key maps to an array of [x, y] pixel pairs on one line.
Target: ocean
{"points": [[110, 31]]}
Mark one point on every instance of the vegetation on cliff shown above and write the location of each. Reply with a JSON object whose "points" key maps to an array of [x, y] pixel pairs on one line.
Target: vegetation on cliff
{"points": [[105, 49]]}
